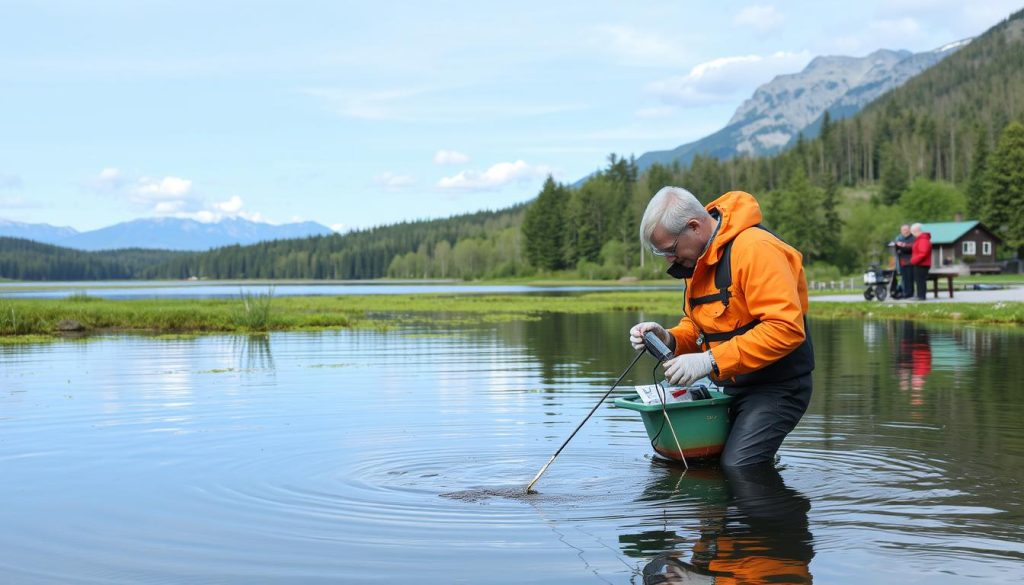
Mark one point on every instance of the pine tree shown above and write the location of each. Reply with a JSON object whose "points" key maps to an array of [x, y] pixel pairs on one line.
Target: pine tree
{"points": [[976, 191], [1003, 212], [795, 212], [830, 246], [894, 174], [544, 226]]}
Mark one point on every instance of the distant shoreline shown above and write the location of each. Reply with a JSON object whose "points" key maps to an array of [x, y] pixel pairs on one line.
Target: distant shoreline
{"points": [[34, 320], [8, 286]]}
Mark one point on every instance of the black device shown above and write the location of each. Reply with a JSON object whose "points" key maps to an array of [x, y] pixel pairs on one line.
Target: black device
{"points": [[657, 347], [700, 392]]}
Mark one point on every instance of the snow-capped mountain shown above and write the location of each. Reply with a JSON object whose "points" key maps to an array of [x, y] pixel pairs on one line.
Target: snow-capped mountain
{"points": [[40, 232], [165, 233], [792, 104]]}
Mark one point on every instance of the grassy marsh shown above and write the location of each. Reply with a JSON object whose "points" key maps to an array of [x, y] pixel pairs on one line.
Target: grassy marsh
{"points": [[22, 320]]}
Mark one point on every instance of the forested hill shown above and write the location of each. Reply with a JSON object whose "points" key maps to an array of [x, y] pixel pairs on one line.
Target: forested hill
{"points": [[467, 245], [472, 241], [22, 259]]}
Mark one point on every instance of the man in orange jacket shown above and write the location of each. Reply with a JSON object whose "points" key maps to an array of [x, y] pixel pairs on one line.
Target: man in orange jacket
{"points": [[744, 321]]}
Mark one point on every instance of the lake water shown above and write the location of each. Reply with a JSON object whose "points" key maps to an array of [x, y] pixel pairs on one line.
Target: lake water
{"points": [[368, 457]]}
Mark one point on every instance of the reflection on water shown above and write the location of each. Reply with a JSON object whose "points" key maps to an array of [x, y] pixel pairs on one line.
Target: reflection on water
{"points": [[322, 457], [253, 352], [751, 528], [914, 361]]}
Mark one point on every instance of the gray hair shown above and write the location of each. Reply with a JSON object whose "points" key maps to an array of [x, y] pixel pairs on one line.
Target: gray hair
{"points": [[672, 207], [916, 228]]}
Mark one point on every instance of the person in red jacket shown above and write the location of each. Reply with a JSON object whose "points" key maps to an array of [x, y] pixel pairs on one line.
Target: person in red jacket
{"points": [[921, 259]]}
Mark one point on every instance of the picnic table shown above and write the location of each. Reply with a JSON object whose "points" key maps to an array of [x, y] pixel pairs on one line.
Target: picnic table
{"points": [[935, 276]]}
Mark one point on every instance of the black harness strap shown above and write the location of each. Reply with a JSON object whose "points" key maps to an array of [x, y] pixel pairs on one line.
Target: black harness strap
{"points": [[727, 335], [723, 282], [723, 275]]}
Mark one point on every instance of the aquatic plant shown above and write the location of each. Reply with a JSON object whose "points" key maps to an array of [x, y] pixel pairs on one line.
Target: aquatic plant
{"points": [[8, 319], [255, 313], [80, 296], [16, 322]]}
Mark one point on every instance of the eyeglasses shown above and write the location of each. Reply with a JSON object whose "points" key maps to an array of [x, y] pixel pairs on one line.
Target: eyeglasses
{"points": [[669, 251]]}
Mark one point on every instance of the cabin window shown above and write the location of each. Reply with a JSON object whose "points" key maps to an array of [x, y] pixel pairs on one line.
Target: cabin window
{"points": [[986, 248], [968, 248]]}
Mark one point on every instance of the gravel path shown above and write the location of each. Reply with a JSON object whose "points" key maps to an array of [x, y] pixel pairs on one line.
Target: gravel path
{"points": [[1012, 294]]}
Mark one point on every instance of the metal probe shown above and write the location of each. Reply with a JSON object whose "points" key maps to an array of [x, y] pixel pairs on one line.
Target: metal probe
{"points": [[529, 488]]}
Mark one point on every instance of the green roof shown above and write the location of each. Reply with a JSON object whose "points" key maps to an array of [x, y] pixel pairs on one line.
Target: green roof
{"points": [[948, 232]]}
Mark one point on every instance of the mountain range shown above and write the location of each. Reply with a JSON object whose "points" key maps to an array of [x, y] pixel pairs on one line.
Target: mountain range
{"points": [[167, 233], [794, 104]]}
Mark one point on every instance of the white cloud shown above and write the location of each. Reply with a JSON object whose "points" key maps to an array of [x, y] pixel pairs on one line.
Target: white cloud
{"points": [[450, 157], [165, 188], [9, 181], [638, 47], [169, 197], [494, 177], [394, 182], [232, 205], [339, 227], [726, 80], [760, 17], [110, 179], [170, 207], [217, 214]]}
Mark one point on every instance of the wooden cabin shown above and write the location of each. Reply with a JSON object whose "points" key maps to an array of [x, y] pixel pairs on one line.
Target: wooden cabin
{"points": [[967, 246]]}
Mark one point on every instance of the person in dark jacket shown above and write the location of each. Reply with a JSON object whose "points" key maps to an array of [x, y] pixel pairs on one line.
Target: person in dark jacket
{"points": [[921, 259], [904, 243]]}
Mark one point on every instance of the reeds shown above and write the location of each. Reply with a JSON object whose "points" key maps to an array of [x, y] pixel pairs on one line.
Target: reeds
{"points": [[255, 313]]}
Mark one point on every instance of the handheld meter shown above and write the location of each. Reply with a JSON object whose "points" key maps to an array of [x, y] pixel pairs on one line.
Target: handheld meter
{"points": [[657, 347]]}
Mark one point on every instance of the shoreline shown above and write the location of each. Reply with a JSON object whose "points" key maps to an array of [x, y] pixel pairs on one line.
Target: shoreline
{"points": [[36, 320], [15, 286]]}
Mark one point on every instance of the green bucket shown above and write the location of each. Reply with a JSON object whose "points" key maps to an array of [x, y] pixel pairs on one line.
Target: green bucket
{"points": [[701, 426]]}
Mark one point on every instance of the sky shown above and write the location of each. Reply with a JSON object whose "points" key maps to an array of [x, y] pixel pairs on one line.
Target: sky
{"points": [[357, 114]]}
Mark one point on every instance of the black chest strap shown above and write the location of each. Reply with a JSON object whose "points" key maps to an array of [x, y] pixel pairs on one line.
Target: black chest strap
{"points": [[723, 276]]}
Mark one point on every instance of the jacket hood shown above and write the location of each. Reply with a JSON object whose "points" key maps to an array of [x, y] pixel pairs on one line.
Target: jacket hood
{"points": [[738, 211], [925, 235]]}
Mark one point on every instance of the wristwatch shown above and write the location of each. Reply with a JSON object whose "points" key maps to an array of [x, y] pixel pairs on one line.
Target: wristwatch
{"points": [[714, 365]]}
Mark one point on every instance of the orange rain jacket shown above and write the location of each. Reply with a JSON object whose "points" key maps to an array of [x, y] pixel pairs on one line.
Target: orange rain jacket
{"points": [[768, 284]]}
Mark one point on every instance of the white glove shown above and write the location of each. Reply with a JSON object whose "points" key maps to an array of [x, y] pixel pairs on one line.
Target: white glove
{"points": [[686, 369], [636, 334]]}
